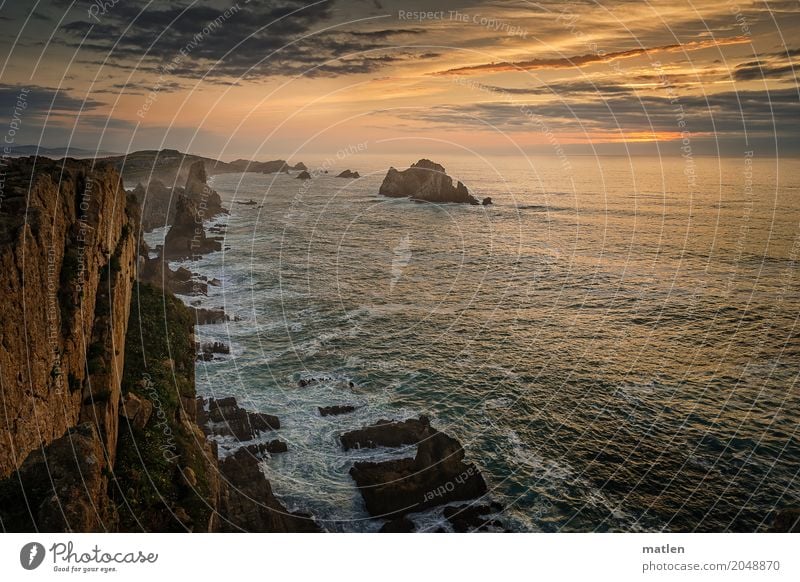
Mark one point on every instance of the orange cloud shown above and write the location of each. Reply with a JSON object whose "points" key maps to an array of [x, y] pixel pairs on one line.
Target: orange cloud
{"points": [[592, 58]]}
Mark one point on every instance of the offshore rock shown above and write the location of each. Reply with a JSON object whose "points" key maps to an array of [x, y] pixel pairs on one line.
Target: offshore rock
{"points": [[425, 181], [336, 409], [385, 433], [349, 174], [436, 475]]}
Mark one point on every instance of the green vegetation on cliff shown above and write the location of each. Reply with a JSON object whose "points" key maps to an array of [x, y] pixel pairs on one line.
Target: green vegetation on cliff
{"points": [[162, 473]]}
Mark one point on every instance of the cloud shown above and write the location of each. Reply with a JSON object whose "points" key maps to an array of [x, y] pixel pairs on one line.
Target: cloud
{"points": [[591, 58], [757, 112], [256, 40], [778, 65], [43, 100]]}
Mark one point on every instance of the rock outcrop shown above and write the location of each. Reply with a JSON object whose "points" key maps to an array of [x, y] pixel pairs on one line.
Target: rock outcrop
{"points": [[349, 174], [248, 504], [173, 167], [437, 474], [304, 175], [187, 237], [425, 181], [67, 263], [157, 202], [335, 410], [157, 271], [388, 433], [226, 418], [206, 200], [210, 316]]}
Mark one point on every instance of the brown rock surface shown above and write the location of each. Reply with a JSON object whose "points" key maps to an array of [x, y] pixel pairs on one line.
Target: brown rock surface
{"points": [[74, 251], [385, 433], [248, 503], [229, 419], [436, 475], [187, 237], [61, 488], [425, 181]]}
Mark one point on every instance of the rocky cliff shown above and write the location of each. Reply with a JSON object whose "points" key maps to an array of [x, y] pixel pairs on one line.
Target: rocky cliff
{"points": [[173, 167], [66, 265], [100, 429]]}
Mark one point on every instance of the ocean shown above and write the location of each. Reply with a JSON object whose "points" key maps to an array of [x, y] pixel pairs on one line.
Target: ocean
{"points": [[614, 341]]}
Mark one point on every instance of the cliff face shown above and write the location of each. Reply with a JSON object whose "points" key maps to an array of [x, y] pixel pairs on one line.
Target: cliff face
{"points": [[157, 203], [100, 429], [66, 266], [173, 167]]}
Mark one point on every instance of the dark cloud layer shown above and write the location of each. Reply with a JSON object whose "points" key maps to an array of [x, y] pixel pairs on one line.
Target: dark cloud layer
{"points": [[730, 112], [254, 40], [41, 101]]}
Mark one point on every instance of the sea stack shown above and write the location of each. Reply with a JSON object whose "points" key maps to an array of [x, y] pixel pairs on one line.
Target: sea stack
{"points": [[425, 181], [304, 175], [206, 199], [349, 174], [187, 238]]}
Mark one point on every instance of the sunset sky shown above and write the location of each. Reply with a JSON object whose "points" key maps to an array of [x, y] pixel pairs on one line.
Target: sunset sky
{"points": [[268, 78]]}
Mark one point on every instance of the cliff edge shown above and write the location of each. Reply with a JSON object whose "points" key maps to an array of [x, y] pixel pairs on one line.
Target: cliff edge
{"points": [[67, 264]]}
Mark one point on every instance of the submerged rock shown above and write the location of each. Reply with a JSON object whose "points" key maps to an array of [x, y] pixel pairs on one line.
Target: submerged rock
{"points": [[425, 181], [336, 410]]}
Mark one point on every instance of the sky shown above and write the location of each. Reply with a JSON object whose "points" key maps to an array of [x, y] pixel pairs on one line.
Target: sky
{"points": [[266, 79]]}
